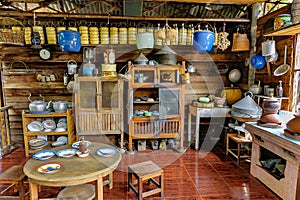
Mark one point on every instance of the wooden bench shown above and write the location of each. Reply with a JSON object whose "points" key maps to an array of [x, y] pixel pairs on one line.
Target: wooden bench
{"points": [[142, 172], [15, 177]]}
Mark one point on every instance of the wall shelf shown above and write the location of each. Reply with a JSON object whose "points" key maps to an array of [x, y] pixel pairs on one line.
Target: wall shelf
{"points": [[287, 31]]}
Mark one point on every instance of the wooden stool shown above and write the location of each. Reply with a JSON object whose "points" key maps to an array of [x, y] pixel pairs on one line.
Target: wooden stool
{"points": [[15, 177], [78, 192], [145, 171], [239, 141]]}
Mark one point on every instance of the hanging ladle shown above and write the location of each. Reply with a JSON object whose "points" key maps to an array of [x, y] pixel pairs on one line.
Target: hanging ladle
{"points": [[284, 68]]}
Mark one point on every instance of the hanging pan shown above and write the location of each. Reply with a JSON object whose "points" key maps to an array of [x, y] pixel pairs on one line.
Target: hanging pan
{"points": [[284, 68]]}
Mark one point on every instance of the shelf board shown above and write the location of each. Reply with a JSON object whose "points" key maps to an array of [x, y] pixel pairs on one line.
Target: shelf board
{"points": [[287, 31]]}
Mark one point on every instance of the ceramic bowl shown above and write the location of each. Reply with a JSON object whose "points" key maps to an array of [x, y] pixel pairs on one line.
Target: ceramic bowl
{"points": [[66, 153], [44, 155], [76, 144]]}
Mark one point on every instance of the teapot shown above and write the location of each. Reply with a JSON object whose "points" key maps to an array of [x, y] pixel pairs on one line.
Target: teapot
{"points": [[38, 105], [256, 89], [140, 78]]}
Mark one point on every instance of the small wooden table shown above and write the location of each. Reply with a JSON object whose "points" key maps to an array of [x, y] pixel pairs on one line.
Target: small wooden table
{"points": [[204, 113], [74, 170]]}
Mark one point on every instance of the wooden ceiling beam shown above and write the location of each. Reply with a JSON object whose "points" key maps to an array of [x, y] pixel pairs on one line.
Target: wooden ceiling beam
{"points": [[245, 2], [23, 15]]}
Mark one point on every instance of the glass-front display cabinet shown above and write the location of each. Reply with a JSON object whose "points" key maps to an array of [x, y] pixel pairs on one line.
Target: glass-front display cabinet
{"points": [[99, 106], [155, 103]]}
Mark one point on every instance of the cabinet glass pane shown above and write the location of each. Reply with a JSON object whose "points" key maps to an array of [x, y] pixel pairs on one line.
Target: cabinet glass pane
{"points": [[169, 76], [144, 76], [109, 94], [169, 102], [87, 94]]}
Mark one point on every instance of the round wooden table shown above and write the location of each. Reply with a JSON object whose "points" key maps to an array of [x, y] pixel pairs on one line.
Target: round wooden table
{"points": [[74, 170]]}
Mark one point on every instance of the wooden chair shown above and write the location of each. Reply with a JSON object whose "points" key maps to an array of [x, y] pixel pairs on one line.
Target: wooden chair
{"points": [[16, 178], [145, 171]]}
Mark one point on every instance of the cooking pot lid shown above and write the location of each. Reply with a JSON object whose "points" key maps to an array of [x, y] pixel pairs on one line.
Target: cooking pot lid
{"points": [[141, 58], [165, 50], [234, 75], [247, 104]]}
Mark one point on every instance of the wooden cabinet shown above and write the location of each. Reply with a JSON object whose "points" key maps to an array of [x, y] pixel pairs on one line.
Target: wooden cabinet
{"points": [[156, 89], [271, 144], [99, 106], [27, 118]]}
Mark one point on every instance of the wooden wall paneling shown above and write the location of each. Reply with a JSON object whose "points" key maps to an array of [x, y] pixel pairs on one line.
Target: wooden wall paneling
{"points": [[18, 82], [265, 24]]}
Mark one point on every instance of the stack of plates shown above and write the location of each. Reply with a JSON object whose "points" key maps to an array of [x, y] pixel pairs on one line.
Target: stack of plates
{"points": [[37, 144], [35, 126]]}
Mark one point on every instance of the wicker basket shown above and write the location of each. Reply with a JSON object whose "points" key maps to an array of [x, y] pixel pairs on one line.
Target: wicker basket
{"points": [[8, 35]]}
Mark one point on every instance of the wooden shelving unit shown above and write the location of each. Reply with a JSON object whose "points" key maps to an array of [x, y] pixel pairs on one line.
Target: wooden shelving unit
{"points": [[28, 135]]}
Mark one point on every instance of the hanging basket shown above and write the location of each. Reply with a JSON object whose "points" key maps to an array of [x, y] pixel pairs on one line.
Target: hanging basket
{"points": [[10, 34]]}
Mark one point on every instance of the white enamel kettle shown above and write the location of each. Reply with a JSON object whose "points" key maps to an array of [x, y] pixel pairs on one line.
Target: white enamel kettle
{"points": [[256, 89]]}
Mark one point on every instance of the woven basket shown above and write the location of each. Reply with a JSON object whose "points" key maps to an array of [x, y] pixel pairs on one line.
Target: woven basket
{"points": [[9, 36]]}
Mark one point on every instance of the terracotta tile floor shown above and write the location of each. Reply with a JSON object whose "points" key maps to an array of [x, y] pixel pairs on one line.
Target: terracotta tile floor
{"points": [[191, 175]]}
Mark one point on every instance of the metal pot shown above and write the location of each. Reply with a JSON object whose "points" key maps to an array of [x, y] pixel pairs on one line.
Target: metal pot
{"points": [[141, 59], [69, 41], [60, 106], [268, 48], [166, 56], [38, 105], [145, 40], [232, 94]]}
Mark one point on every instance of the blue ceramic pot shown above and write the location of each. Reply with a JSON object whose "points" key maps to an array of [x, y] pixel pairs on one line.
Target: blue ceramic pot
{"points": [[69, 41], [203, 41]]}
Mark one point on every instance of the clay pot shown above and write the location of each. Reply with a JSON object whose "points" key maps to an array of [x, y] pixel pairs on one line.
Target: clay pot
{"points": [[293, 124], [271, 105], [270, 118]]}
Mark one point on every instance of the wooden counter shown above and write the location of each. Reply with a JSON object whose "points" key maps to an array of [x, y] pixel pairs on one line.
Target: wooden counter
{"points": [[288, 149]]}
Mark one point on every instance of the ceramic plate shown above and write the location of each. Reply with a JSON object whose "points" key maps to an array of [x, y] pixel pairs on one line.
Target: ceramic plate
{"points": [[106, 152], [66, 153], [44, 155], [35, 126], [76, 144], [49, 124], [50, 167], [62, 125]]}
